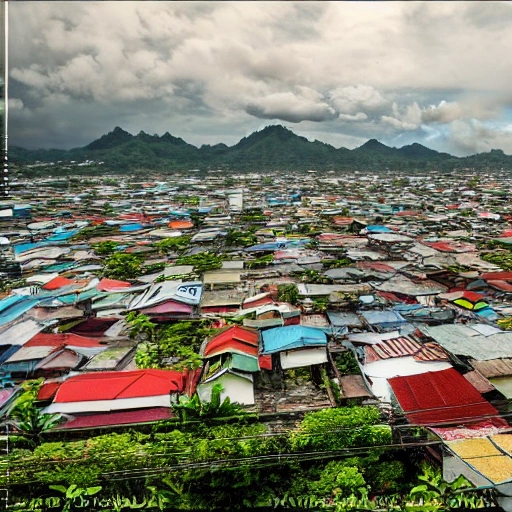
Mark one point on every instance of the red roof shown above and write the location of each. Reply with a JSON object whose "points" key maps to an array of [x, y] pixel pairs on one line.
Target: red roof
{"points": [[440, 246], [94, 327], [472, 296], [56, 340], [497, 276], [48, 390], [119, 418], [235, 338], [501, 285], [440, 397], [375, 265], [115, 385], [106, 285], [181, 224], [58, 282], [265, 362]]}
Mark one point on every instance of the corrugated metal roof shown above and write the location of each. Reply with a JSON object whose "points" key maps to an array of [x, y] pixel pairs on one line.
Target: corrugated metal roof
{"points": [[461, 340], [291, 337], [438, 397], [118, 385], [118, 418], [493, 367]]}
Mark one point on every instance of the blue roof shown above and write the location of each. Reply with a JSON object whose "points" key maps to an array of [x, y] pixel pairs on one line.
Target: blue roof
{"points": [[131, 227], [16, 310], [291, 337], [19, 248], [383, 318], [10, 301], [378, 229], [57, 237], [277, 246]]}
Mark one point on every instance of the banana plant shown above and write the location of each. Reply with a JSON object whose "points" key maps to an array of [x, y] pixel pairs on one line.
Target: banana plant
{"points": [[73, 493]]}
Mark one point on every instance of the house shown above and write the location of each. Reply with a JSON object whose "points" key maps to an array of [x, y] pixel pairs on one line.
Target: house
{"points": [[116, 391], [231, 357], [442, 397], [296, 345]]}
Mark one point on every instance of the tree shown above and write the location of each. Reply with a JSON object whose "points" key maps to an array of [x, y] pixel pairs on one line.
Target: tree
{"points": [[123, 266], [288, 293], [194, 408], [27, 418]]}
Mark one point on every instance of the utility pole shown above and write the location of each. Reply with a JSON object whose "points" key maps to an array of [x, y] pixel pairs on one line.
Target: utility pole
{"points": [[4, 178]]}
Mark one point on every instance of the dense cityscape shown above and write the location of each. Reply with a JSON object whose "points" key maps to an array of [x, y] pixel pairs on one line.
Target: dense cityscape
{"points": [[255, 256], [330, 337]]}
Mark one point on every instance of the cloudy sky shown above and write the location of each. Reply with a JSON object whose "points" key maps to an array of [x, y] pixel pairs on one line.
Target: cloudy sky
{"points": [[438, 73]]}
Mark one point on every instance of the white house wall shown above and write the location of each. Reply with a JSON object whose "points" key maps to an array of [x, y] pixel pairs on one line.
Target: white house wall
{"points": [[237, 388], [303, 357]]}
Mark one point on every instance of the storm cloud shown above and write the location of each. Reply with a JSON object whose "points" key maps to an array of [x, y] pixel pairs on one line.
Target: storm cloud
{"points": [[212, 72]]}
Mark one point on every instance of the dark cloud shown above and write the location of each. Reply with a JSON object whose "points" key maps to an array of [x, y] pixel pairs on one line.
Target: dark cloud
{"points": [[211, 71]]}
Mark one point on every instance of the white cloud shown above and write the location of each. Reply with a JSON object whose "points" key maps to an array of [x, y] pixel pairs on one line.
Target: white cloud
{"points": [[410, 119], [475, 137], [360, 116], [353, 100], [346, 64], [305, 105]]}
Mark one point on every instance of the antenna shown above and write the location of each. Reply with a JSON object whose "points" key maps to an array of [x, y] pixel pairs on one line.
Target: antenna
{"points": [[4, 180]]}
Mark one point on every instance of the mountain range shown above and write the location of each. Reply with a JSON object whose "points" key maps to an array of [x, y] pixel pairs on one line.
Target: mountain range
{"points": [[271, 149]]}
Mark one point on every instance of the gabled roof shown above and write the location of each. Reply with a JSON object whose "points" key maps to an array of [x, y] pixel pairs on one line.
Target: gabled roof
{"points": [[56, 340], [112, 284], [233, 339], [280, 339], [437, 397], [118, 418], [118, 385]]}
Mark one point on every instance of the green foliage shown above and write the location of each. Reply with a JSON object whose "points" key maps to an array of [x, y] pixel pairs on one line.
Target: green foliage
{"points": [[438, 494], [190, 200], [320, 305], [123, 266], [175, 244], [346, 363], [180, 340], [141, 327], [148, 356], [6, 285], [105, 248], [202, 262], [73, 492], [343, 427], [387, 476], [274, 147], [337, 263], [261, 262], [313, 276], [288, 293], [505, 323], [195, 409], [27, 418], [236, 238], [502, 259], [252, 218], [338, 477]]}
